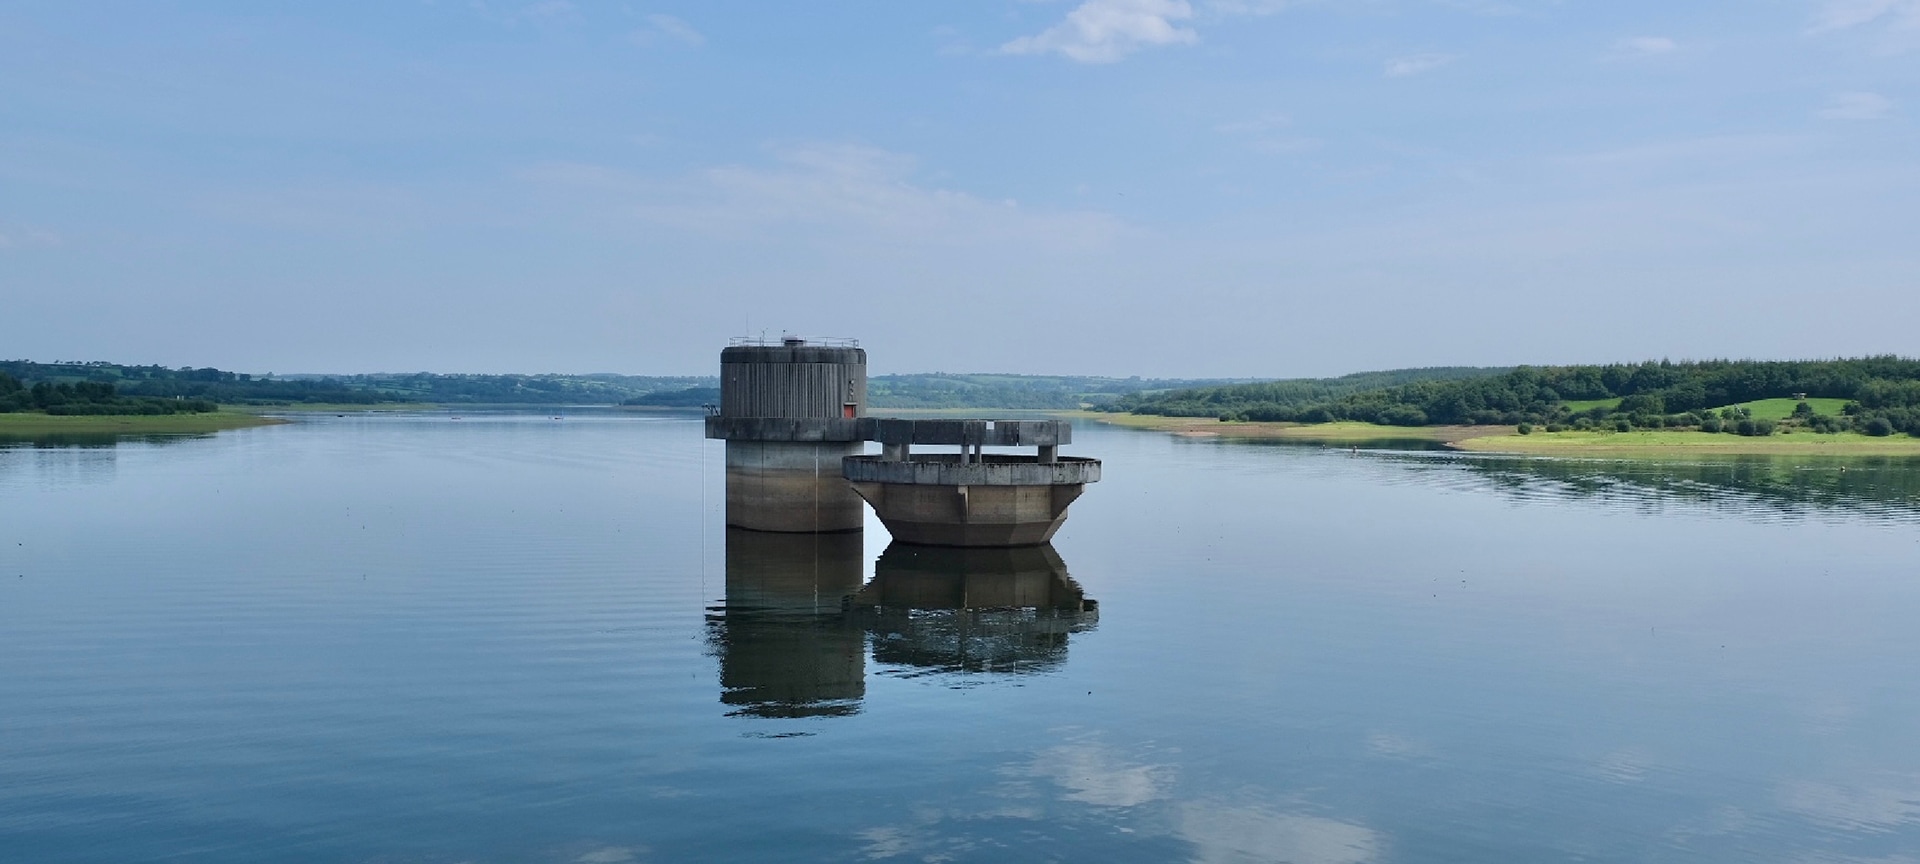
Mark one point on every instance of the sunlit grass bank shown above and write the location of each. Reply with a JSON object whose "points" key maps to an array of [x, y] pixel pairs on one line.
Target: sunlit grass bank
{"points": [[1676, 442], [1332, 433], [1504, 439]]}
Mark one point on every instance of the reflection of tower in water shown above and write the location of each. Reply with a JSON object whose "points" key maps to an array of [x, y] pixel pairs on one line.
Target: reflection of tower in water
{"points": [[792, 635], [785, 646], [973, 610]]}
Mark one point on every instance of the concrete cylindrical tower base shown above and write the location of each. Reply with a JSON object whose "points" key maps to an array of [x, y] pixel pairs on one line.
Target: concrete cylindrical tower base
{"points": [[792, 486]]}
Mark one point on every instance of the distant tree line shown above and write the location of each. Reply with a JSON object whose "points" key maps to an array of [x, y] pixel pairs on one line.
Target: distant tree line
{"points": [[239, 388], [1883, 396], [86, 397], [1019, 392], [691, 397], [1270, 398]]}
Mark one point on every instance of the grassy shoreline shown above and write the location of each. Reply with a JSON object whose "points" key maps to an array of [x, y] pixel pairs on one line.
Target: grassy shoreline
{"points": [[1329, 433], [1669, 442], [27, 424], [1504, 439], [328, 407]]}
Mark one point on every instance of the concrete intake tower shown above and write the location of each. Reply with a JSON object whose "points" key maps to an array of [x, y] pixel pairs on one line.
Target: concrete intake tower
{"points": [[793, 414], [790, 412]]}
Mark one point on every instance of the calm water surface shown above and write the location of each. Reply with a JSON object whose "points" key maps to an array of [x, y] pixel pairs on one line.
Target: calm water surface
{"points": [[510, 638]]}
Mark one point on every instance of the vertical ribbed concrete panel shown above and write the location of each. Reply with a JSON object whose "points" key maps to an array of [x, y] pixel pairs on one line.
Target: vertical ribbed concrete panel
{"points": [[792, 382], [786, 413]]}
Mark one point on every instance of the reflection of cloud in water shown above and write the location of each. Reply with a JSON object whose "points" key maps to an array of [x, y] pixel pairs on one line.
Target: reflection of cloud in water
{"points": [[610, 855], [920, 838], [887, 842], [1860, 859], [1882, 807], [1134, 800], [1722, 821], [1234, 834], [1627, 765], [1096, 777], [1394, 746]]}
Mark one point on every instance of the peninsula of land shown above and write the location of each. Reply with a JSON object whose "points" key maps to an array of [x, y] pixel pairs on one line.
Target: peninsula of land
{"points": [[1861, 406]]}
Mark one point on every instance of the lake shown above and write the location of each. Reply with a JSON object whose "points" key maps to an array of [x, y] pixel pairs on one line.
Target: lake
{"points": [[504, 638]]}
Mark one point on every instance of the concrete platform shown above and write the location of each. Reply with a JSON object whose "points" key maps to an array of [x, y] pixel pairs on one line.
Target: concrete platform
{"points": [[971, 500]]}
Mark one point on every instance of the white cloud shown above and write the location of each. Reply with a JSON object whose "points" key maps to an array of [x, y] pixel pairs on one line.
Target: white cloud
{"points": [[1647, 45], [1857, 106], [1844, 14], [669, 27], [1417, 64], [1103, 31]]}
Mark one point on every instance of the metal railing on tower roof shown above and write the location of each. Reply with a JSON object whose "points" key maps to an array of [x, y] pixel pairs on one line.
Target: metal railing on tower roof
{"points": [[791, 341]]}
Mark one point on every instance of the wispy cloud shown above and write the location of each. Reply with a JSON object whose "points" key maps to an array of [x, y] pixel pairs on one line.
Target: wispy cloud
{"points": [[26, 238], [1227, 8], [1416, 64], [1646, 46], [841, 190], [667, 26], [1268, 133], [1857, 106], [548, 9], [1844, 14], [1104, 31]]}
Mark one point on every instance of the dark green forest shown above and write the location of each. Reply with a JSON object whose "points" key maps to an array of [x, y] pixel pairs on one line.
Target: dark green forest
{"points": [[1882, 393], [86, 397]]}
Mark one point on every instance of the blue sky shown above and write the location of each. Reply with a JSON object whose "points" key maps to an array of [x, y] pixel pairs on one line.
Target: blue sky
{"points": [[1153, 187]]}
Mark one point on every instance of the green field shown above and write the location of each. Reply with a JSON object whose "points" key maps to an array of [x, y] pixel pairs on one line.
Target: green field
{"points": [[27, 425], [1579, 405], [1781, 409]]}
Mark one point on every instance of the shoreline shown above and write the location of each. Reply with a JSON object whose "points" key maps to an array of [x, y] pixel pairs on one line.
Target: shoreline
{"points": [[1328, 433], [1505, 440], [23, 424]]}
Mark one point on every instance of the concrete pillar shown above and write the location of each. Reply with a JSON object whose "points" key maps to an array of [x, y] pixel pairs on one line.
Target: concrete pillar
{"points": [[896, 452], [1049, 454], [791, 487]]}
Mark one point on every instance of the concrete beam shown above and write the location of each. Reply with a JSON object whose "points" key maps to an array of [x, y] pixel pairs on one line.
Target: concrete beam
{"points": [[989, 433], [798, 430], [947, 469]]}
